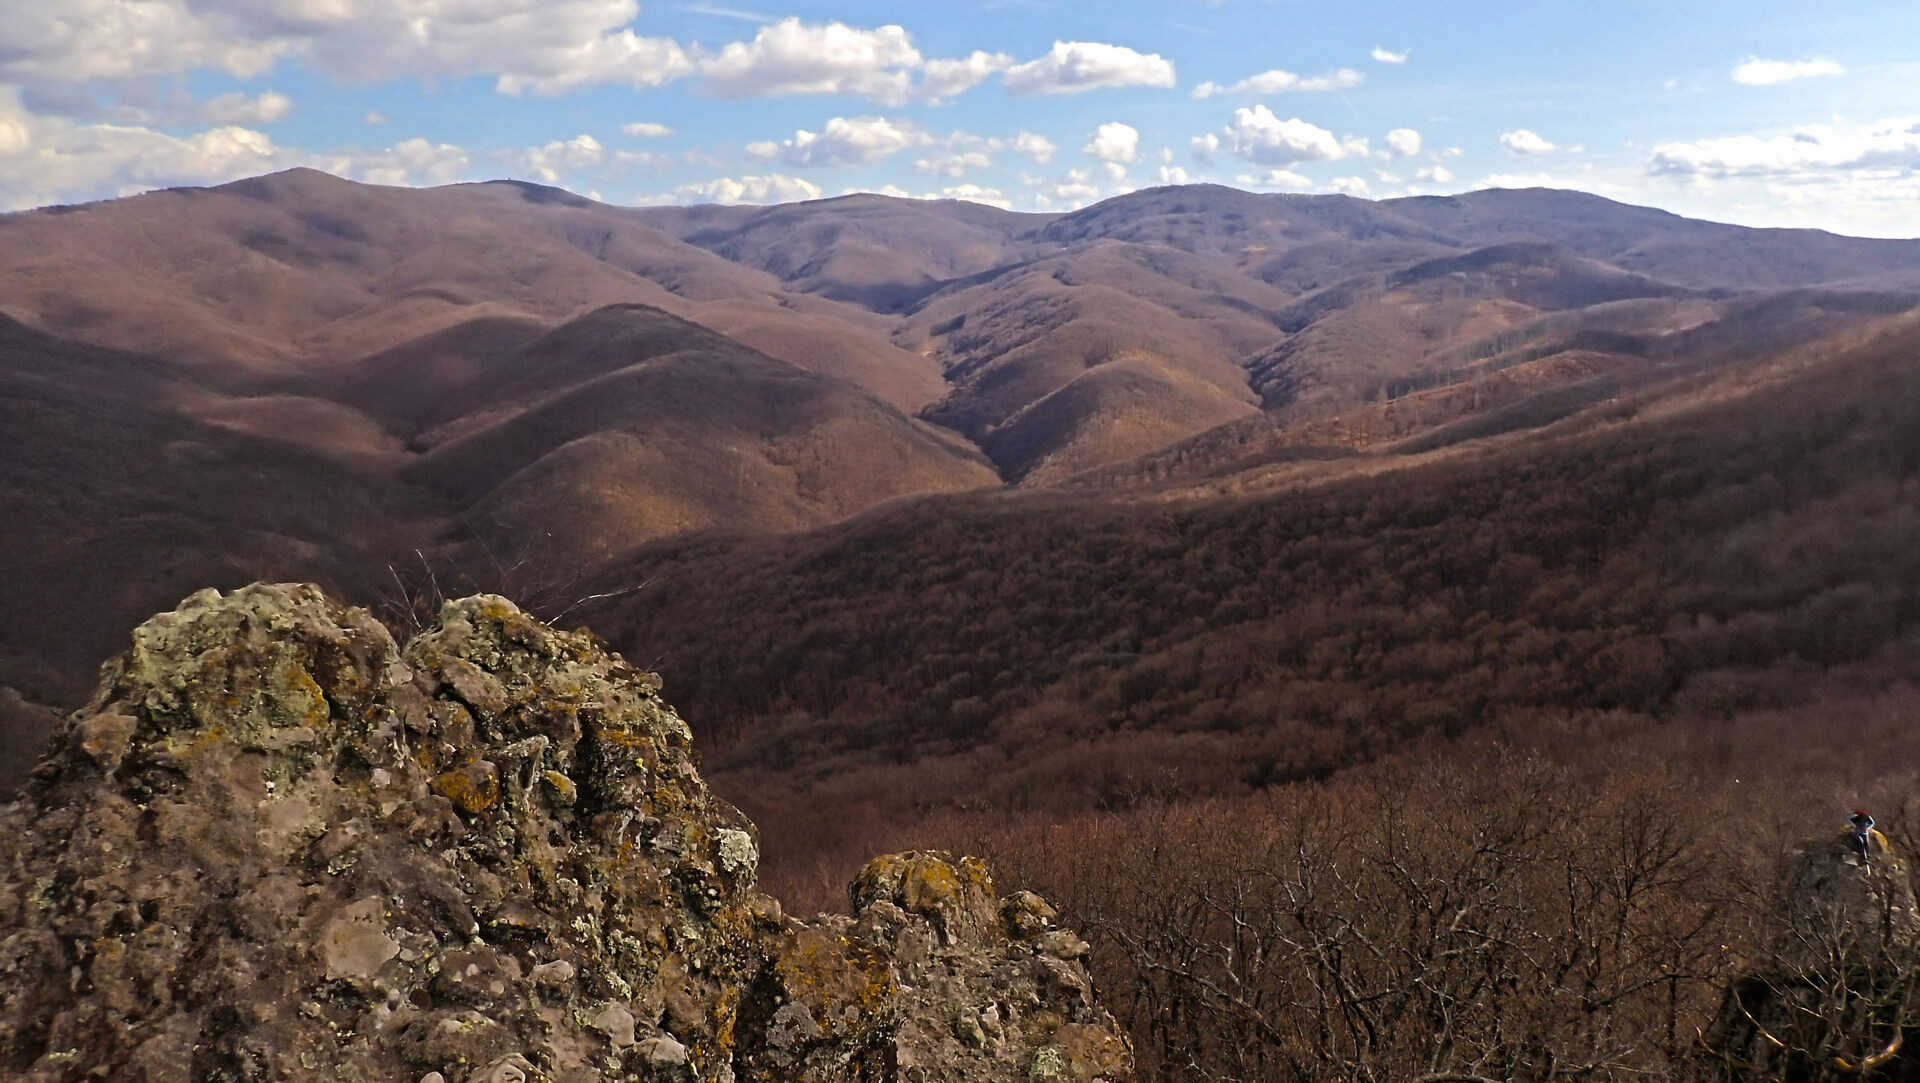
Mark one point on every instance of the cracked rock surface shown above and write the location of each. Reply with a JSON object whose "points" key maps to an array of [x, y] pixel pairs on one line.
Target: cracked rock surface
{"points": [[276, 846]]}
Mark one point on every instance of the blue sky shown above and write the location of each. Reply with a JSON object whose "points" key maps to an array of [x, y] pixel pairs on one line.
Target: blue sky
{"points": [[1759, 113]]}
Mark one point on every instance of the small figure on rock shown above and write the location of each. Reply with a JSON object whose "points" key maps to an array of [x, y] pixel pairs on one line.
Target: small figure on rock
{"points": [[1862, 825]]}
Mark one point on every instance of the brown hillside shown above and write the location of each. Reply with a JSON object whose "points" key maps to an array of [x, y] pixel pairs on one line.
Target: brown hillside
{"points": [[630, 424], [266, 278], [1729, 551], [876, 251]]}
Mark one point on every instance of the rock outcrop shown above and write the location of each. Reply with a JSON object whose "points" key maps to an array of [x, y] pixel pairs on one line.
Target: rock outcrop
{"points": [[275, 846], [1832, 995]]}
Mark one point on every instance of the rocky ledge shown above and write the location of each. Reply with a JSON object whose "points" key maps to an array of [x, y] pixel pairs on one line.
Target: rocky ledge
{"points": [[276, 846]]}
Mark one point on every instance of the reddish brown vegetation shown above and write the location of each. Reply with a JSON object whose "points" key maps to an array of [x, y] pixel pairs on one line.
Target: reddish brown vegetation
{"points": [[1043, 653]]}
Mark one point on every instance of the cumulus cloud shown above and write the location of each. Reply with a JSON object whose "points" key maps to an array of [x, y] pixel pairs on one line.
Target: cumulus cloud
{"points": [[528, 46], [1524, 142], [1114, 142], [1388, 56], [1172, 174], [1403, 142], [1204, 147], [772, 188], [374, 117], [540, 45], [1522, 180], [1283, 82], [1035, 146], [618, 57], [546, 162], [842, 141], [1350, 186], [953, 163], [1075, 187], [71, 161], [791, 57], [1891, 144], [1753, 71], [973, 193], [1434, 174], [646, 129], [1073, 67], [1273, 178], [411, 161], [1260, 137], [944, 79], [15, 134], [264, 108]]}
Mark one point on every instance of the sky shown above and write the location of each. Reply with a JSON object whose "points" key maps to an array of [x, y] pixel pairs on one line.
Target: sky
{"points": [[1758, 112]]}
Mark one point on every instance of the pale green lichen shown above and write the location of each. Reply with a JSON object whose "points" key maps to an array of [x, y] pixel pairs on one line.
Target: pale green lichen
{"points": [[738, 855], [1049, 1065]]}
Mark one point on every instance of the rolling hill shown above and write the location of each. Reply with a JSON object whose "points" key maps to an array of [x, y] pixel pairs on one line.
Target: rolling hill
{"points": [[507, 386]]}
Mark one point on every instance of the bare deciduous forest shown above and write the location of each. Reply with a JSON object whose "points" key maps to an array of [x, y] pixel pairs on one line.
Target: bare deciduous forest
{"points": [[1475, 770]]}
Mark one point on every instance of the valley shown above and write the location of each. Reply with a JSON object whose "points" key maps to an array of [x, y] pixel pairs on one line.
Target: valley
{"points": [[1062, 538], [505, 386]]}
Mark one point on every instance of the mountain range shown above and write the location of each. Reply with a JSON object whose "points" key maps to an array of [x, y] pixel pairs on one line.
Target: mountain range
{"points": [[300, 377]]}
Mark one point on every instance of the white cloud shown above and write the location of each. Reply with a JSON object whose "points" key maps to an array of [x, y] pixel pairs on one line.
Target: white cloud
{"points": [[236, 108], [943, 79], [842, 141], [973, 193], [1116, 172], [1349, 186], [772, 188], [1072, 67], [1283, 82], [374, 117], [1273, 178], [1388, 56], [1204, 147], [528, 46], [1172, 174], [15, 133], [542, 45], [953, 163], [1403, 142], [1035, 146], [792, 57], [1525, 142], [72, 161], [1260, 137], [1523, 180], [1891, 144], [546, 162], [1076, 187], [646, 129], [1754, 71], [618, 57], [1114, 142], [1434, 174], [412, 161]]}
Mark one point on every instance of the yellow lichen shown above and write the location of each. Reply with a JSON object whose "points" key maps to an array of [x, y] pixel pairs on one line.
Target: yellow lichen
{"points": [[473, 788]]}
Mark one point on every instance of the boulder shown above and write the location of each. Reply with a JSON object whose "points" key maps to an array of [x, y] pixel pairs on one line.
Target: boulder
{"points": [[277, 846], [1831, 994]]}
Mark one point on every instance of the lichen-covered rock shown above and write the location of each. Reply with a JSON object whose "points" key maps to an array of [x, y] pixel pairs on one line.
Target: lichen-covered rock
{"points": [[924, 983], [276, 846], [1827, 999]]}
